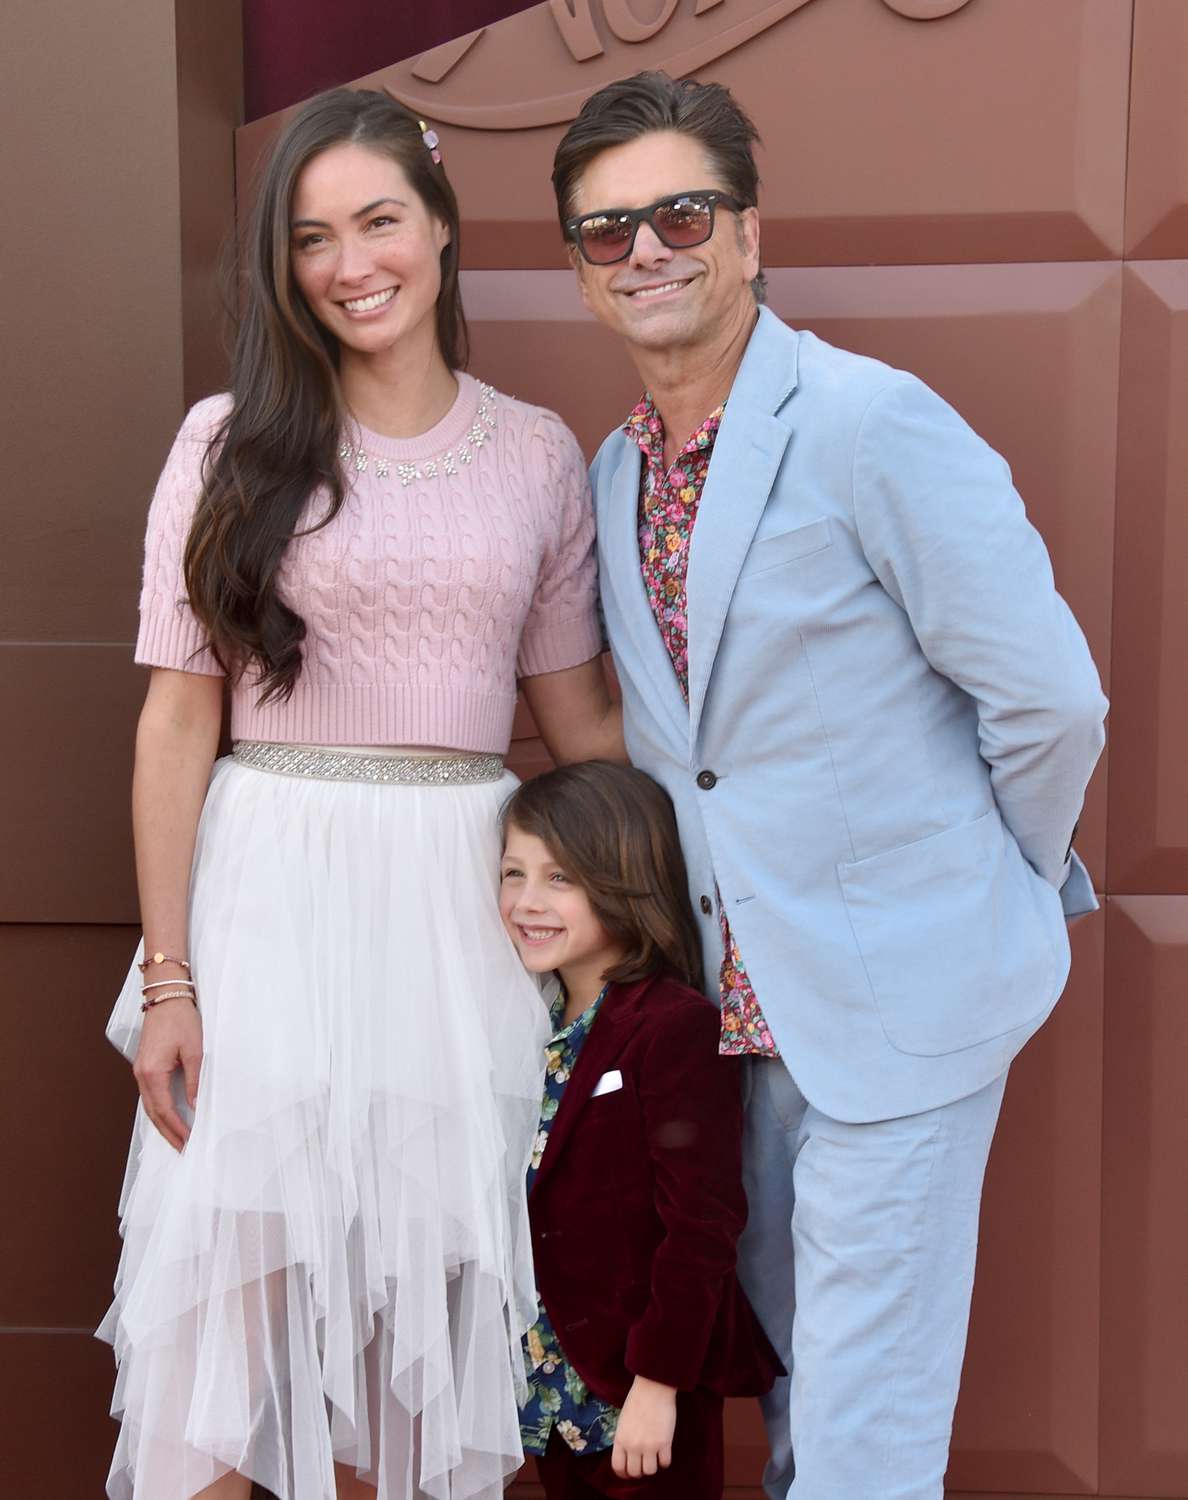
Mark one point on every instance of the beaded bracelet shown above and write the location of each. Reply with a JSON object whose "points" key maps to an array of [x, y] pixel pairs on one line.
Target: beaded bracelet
{"points": [[163, 958], [172, 995]]}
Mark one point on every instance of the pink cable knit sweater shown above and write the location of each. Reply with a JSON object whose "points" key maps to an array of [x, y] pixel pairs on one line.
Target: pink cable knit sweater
{"points": [[422, 603]]}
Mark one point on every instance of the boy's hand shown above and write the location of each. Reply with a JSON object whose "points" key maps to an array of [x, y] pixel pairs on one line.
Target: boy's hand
{"points": [[643, 1441]]}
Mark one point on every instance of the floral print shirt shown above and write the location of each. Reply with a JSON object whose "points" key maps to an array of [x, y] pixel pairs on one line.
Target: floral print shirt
{"points": [[668, 501], [557, 1394]]}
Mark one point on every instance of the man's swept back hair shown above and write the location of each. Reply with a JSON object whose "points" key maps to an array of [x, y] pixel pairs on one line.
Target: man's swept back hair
{"points": [[631, 107]]}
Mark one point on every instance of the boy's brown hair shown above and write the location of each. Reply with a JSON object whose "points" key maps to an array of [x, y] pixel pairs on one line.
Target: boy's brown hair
{"points": [[614, 832]]}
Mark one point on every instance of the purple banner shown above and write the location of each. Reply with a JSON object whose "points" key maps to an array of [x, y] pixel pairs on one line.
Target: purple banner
{"points": [[294, 48]]}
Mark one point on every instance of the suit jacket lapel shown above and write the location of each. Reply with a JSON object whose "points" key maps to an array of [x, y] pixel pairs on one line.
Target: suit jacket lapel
{"points": [[639, 645], [612, 1030], [748, 451]]}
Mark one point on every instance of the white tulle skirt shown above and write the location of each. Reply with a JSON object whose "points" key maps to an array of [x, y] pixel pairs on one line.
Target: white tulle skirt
{"points": [[337, 1268]]}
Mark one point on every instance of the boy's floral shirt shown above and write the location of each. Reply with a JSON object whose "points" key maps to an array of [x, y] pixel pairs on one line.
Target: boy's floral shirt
{"points": [[557, 1395], [668, 502]]}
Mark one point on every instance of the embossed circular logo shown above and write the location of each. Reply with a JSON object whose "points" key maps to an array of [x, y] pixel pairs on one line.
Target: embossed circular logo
{"points": [[474, 80], [925, 10]]}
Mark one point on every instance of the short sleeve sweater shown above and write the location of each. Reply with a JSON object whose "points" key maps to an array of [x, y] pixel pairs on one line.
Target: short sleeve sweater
{"points": [[423, 601]]}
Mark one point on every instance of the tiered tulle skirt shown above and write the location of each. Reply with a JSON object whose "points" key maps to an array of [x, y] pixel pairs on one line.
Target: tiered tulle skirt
{"points": [[336, 1269]]}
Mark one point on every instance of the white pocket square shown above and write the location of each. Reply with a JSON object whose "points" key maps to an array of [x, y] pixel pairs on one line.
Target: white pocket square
{"points": [[608, 1083]]}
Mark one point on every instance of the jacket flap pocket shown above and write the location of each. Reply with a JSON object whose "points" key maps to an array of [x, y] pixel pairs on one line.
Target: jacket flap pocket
{"points": [[771, 551], [957, 933]]}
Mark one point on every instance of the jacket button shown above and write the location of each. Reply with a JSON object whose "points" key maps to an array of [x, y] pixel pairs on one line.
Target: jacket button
{"points": [[707, 905], [706, 780]]}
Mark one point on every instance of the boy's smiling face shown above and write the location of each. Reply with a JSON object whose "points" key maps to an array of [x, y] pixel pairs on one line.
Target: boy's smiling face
{"points": [[549, 917]]}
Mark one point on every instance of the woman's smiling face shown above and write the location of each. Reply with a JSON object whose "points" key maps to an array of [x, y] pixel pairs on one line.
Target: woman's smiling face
{"points": [[365, 251]]}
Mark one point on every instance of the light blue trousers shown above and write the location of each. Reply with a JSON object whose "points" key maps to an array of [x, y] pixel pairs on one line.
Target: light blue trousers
{"points": [[858, 1257]]}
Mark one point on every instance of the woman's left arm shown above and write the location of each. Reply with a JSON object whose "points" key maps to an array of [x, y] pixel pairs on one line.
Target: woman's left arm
{"points": [[561, 674], [575, 714]]}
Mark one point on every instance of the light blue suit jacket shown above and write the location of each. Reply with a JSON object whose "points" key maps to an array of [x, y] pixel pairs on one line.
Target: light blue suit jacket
{"points": [[892, 719]]}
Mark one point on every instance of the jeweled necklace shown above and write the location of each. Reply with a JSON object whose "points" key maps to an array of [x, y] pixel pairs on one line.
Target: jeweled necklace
{"points": [[462, 453]]}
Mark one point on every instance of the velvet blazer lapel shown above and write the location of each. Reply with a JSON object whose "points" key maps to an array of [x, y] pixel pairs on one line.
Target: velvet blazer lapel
{"points": [[614, 1026]]}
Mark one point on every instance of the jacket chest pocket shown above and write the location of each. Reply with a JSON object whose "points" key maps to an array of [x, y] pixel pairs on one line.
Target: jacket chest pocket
{"points": [[787, 546], [611, 1104]]}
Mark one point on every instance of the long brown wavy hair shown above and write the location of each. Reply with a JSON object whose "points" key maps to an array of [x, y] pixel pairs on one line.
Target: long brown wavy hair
{"points": [[614, 832], [280, 441]]}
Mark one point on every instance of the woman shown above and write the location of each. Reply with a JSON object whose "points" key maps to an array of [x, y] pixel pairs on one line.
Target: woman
{"points": [[326, 1269]]}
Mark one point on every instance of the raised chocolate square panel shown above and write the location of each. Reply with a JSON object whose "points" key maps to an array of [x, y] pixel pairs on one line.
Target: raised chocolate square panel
{"points": [[1157, 174], [65, 797], [91, 385], [1149, 723], [1027, 1418], [66, 1105], [55, 1392], [1144, 1346]]}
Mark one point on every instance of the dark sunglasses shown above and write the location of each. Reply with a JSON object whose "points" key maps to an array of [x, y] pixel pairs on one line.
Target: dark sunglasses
{"points": [[680, 222]]}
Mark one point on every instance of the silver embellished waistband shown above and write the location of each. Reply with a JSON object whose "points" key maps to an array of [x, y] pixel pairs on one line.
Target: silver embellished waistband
{"points": [[347, 765]]}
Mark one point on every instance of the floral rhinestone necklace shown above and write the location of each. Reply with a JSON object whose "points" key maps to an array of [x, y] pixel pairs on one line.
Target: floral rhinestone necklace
{"points": [[445, 464]]}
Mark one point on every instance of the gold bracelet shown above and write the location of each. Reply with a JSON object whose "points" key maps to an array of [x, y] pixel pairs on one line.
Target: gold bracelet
{"points": [[163, 958]]}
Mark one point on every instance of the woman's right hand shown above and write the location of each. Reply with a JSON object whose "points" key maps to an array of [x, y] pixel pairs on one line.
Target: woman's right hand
{"points": [[170, 1038]]}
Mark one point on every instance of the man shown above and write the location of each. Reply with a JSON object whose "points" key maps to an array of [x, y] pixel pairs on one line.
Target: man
{"points": [[842, 653]]}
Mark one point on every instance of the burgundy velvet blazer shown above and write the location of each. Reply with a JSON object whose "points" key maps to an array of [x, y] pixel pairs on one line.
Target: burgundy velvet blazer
{"points": [[638, 1204]]}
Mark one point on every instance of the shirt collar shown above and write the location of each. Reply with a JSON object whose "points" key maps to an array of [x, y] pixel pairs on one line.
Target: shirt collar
{"points": [[645, 427], [579, 1023]]}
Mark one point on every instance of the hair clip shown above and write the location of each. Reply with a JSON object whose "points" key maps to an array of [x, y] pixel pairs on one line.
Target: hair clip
{"points": [[432, 141]]}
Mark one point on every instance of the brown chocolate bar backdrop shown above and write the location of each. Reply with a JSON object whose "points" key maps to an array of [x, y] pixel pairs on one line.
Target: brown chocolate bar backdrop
{"points": [[993, 193]]}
